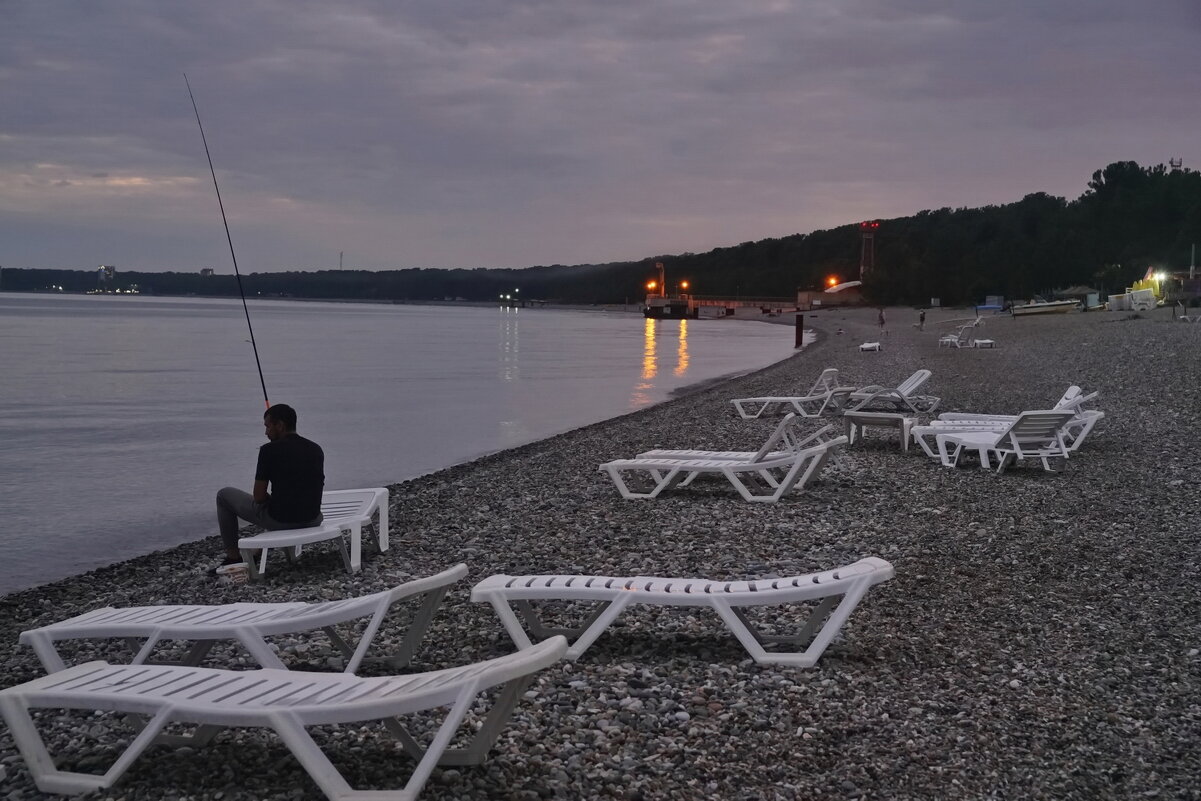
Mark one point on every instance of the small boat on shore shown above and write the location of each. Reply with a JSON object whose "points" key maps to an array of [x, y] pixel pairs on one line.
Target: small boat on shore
{"points": [[1045, 307]]}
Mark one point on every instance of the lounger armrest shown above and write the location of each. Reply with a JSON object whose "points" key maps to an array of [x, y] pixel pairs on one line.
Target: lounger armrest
{"points": [[876, 393], [427, 583]]}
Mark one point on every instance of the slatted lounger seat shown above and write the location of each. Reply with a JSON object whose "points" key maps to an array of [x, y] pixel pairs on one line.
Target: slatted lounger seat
{"points": [[765, 480], [345, 512], [727, 598], [248, 624], [284, 701]]}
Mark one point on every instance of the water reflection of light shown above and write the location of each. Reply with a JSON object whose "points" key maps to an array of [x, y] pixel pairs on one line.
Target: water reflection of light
{"points": [[650, 364], [650, 359], [509, 343], [682, 350]]}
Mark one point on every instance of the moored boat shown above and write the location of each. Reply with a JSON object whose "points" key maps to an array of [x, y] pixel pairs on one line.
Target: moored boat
{"points": [[1045, 307]]}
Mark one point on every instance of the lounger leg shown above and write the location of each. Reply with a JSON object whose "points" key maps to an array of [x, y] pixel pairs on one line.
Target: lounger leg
{"points": [[258, 648], [812, 624], [952, 459], [382, 529], [921, 440], [812, 469], [347, 558], [778, 487], [413, 636], [662, 482], [594, 627], [813, 652], [50, 779], [476, 751], [47, 654], [256, 571], [747, 413], [143, 651], [331, 782], [982, 453], [355, 562], [534, 623]]}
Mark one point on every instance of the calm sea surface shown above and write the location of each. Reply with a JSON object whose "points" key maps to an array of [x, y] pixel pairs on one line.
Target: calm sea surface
{"points": [[121, 417]]}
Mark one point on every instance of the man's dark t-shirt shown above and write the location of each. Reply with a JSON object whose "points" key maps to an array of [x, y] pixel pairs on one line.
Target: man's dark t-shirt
{"points": [[295, 467]]}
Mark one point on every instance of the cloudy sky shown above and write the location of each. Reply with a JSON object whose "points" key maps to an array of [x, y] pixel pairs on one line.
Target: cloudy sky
{"points": [[511, 133]]}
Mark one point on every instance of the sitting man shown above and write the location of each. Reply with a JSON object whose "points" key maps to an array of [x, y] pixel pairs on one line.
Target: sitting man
{"points": [[295, 469]]}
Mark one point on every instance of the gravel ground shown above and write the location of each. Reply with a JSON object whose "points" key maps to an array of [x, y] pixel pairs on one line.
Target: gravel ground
{"points": [[1040, 639]]}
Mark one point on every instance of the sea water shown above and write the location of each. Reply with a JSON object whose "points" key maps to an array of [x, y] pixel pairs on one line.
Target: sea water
{"points": [[120, 417]]}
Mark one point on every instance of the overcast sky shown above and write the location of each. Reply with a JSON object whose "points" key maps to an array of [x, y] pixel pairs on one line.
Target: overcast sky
{"points": [[512, 133]]}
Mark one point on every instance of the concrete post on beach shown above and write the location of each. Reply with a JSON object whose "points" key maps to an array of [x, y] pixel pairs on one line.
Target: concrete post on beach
{"points": [[800, 331]]}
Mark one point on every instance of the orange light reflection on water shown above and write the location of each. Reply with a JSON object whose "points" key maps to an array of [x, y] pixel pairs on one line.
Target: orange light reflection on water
{"points": [[650, 364], [650, 358], [682, 350]]}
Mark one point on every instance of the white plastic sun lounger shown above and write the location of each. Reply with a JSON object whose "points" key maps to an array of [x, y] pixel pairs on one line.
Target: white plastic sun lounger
{"points": [[249, 624], [784, 440], [811, 404], [763, 480], [902, 398], [283, 701], [726, 598], [1034, 435], [344, 512], [1073, 400], [1074, 433]]}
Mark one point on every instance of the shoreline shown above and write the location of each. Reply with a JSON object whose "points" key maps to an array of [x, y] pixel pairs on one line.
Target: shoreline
{"points": [[1039, 640]]}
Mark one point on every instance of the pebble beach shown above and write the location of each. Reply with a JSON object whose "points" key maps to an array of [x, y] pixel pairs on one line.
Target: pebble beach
{"points": [[1040, 638]]}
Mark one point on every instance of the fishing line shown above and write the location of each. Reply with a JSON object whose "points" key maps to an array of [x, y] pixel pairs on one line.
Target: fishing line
{"points": [[230, 240]]}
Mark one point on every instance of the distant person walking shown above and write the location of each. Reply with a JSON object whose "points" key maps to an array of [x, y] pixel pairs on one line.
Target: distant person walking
{"points": [[881, 320], [293, 466], [921, 320]]}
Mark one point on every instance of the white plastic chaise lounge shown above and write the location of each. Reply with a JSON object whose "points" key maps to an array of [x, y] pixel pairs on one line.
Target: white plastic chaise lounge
{"points": [[1073, 399], [344, 512], [764, 479], [285, 701], [902, 398], [962, 337], [1074, 433], [784, 440], [811, 404], [836, 593], [249, 624], [1034, 435]]}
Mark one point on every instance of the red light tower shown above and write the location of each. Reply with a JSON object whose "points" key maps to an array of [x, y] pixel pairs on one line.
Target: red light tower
{"points": [[867, 250]]}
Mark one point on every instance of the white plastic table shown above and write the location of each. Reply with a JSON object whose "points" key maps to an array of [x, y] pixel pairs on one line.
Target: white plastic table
{"points": [[853, 421]]}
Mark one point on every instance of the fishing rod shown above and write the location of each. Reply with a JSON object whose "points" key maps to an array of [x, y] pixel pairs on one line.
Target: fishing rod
{"points": [[229, 239]]}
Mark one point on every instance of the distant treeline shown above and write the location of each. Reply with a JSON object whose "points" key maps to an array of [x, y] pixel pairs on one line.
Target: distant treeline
{"points": [[1129, 218]]}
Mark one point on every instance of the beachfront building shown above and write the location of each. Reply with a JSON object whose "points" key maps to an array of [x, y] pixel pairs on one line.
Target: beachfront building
{"points": [[849, 293]]}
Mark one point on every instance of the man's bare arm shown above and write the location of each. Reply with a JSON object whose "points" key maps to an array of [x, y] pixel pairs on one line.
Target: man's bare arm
{"points": [[260, 492]]}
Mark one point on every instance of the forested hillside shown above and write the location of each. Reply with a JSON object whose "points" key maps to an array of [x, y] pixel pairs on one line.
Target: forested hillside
{"points": [[1128, 218]]}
